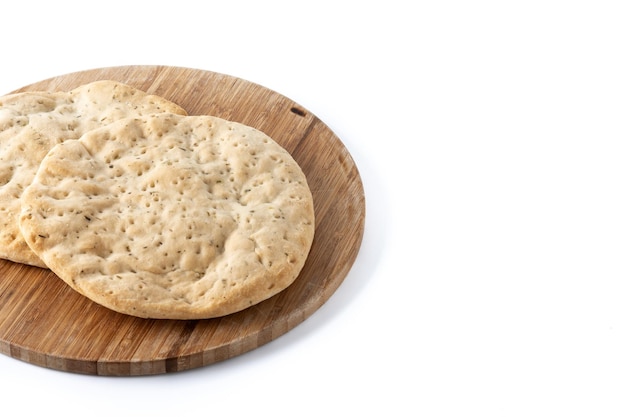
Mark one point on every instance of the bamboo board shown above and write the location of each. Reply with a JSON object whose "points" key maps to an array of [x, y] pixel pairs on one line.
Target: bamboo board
{"points": [[44, 322]]}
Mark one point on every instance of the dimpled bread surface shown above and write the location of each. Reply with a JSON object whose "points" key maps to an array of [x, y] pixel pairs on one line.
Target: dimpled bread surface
{"points": [[31, 123], [169, 216]]}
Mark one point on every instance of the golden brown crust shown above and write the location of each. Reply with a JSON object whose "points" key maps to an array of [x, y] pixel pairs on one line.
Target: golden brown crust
{"points": [[173, 217]]}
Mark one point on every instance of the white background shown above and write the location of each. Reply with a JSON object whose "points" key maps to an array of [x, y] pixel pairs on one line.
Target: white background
{"points": [[491, 140]]}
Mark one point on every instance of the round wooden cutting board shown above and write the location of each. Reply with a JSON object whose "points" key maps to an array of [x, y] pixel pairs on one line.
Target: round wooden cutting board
{"points": [[44, 322]]}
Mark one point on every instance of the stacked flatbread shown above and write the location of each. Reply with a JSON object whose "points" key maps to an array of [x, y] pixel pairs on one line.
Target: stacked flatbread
{"points": [[155, 214]]}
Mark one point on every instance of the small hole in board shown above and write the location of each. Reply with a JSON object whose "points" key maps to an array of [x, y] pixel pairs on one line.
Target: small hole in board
{"points": [[298, 111]]}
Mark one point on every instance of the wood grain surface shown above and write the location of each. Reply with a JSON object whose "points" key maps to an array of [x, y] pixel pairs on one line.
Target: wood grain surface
{"points": [[44, 322]]}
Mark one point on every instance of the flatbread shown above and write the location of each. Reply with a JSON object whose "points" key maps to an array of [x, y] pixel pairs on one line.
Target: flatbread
{"points": [[169, 216], [32, 122]]}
